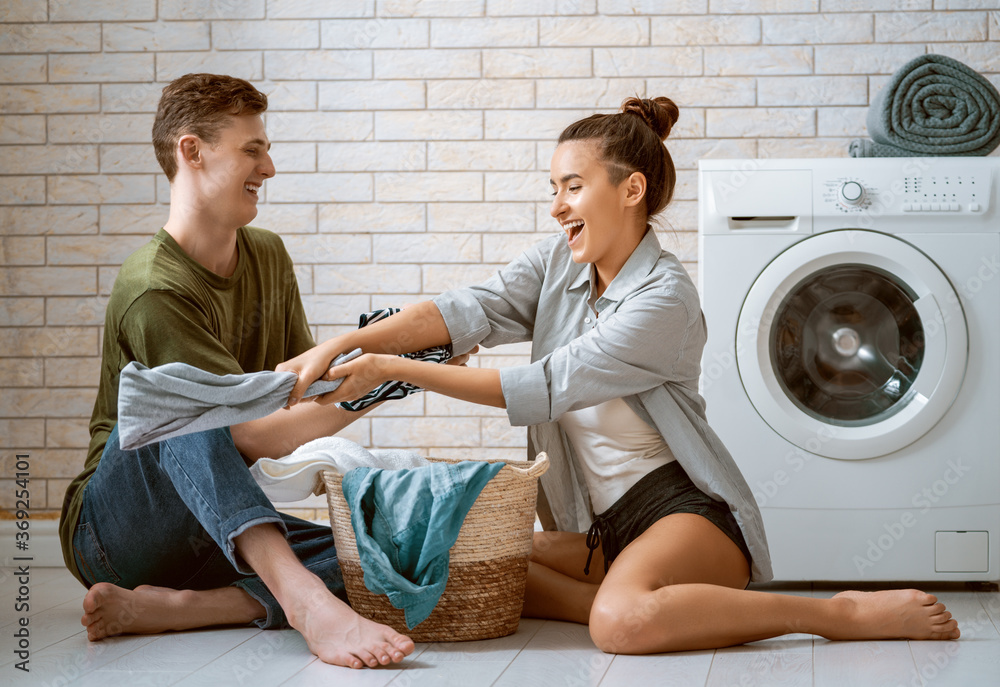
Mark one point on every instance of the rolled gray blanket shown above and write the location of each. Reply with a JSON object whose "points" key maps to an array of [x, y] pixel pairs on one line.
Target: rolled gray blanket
{"points": [[933, 105]]}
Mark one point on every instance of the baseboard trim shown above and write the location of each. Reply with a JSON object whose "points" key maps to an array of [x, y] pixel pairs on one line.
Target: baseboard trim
{"points": [[44, 550]]}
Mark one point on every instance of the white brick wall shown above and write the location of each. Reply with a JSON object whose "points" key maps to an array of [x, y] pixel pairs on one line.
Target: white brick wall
{"points": [[412, 140]]}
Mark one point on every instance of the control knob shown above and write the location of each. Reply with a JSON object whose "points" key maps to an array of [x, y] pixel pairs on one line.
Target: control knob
{"points": [[852, 193]]}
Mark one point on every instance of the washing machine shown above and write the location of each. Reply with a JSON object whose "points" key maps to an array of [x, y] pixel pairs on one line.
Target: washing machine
{"points": [[853, 359]]}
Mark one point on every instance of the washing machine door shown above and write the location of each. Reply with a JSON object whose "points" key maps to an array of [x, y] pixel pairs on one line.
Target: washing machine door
{"points": [[852, 344]]}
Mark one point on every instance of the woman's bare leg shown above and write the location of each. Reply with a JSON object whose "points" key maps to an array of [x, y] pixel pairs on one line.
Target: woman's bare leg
{"points": [[680, 586], [552, 595], [557, 588], [566, 552]]}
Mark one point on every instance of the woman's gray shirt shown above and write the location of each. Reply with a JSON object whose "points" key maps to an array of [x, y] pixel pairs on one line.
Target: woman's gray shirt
{"points": [[645, 348]]}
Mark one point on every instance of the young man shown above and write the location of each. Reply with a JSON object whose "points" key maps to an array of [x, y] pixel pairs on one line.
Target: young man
{"points": [[177, 535]]}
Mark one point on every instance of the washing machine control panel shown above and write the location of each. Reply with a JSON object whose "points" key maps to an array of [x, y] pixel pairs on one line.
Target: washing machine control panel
{"points": [[947, 191], [933, 192]]}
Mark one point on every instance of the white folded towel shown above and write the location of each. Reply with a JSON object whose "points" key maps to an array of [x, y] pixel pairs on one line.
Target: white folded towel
{"points": [[298, 475]]}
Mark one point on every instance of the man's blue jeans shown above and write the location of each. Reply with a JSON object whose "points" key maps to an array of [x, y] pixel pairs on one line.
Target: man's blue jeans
{"points": [[167, 515]]}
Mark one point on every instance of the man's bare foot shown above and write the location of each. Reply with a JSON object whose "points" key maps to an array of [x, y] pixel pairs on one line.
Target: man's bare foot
{"points": [[893, 614], [338, 635], [109, 610], [333, 631]]}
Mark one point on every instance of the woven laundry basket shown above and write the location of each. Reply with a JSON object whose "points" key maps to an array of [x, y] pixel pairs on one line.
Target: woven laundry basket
{"points": [[488, 564]]}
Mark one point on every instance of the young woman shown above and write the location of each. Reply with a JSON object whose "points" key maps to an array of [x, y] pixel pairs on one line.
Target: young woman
{"points": [[673, 535]]}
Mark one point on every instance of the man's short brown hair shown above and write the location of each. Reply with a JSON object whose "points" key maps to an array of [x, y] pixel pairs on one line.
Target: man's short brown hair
{"points": [[200, 104]]}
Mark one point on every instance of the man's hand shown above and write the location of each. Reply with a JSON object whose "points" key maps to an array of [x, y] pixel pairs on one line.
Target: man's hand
{"points": [[464, 358], [360, 376], [368, 371], [310, 366]]}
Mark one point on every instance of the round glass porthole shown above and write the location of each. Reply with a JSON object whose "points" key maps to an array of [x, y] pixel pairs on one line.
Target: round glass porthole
{"points": [[847, 344], [851, 344]]}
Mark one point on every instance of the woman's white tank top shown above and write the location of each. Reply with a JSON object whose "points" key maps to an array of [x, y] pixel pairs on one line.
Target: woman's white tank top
{"points": [[615, 449]]}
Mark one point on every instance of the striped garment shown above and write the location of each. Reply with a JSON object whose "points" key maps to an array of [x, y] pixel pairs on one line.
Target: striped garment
{"points": [[392, 389]]}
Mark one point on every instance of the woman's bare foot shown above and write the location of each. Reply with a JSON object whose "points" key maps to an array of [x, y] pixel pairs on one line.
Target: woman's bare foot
{"points": [[892, 614], [109, 610], [338, 635]]}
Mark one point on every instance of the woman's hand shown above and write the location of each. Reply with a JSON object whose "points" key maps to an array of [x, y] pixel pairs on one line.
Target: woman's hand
{"points": [[368, 371], [360, 376], [310, 366]]}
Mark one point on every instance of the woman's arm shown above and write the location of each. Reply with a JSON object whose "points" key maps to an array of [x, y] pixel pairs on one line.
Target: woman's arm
{"points": [[502, 310], [475, 385], [285, 430], [412, 329]]}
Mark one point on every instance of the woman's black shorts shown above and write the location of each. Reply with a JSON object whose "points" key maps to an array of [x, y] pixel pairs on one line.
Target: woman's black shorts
{"points": [[664, 491]]}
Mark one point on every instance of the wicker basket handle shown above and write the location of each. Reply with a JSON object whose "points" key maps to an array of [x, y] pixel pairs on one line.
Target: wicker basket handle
{"points": [[538, 467]]}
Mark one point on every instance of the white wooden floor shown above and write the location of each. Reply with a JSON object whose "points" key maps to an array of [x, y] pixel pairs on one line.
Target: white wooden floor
{"points": [[545, 653]]}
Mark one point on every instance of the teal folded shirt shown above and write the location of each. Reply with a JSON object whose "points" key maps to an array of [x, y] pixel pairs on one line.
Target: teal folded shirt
{"points": [[405, 523]]}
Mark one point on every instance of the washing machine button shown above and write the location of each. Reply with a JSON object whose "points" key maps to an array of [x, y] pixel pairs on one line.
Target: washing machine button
{"points": [[925, 207], [974, 207], [935, 207], [955, 207], [907, 207]]}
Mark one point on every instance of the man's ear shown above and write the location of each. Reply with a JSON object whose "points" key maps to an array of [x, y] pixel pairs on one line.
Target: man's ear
{"points": [[635, 189], [189, 150]]}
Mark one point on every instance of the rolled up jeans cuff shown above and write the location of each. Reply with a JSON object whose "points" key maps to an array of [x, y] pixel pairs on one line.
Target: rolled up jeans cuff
{"points": [[239, 523], [275, 618]]}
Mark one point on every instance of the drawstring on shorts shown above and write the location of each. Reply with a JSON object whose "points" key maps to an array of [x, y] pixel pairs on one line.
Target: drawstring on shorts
{"points": [[601, 534]]}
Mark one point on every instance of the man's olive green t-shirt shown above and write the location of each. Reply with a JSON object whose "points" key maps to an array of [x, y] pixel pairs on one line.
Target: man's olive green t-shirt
{"points": [[165, 308]]}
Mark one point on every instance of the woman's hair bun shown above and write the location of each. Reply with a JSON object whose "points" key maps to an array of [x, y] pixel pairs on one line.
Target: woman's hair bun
{"points": [[660, 113]]}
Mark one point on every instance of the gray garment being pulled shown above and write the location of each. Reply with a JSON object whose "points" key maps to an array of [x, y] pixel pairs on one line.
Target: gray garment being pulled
{"points": [[170, 400]]}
